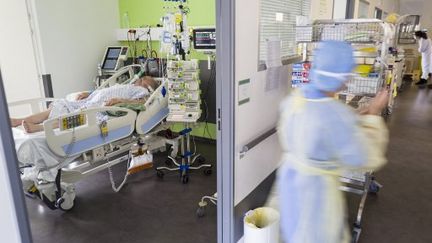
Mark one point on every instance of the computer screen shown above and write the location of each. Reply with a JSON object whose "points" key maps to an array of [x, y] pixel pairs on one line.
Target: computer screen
{"points": [[204, 39], [111, 58]]}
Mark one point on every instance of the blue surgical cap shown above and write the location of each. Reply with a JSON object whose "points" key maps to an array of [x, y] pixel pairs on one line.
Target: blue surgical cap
{"points": [[332, 65]]}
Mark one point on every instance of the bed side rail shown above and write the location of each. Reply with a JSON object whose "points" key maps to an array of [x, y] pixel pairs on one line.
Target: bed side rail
{"points": [[36, 104], [91, 134], [156, 110]]}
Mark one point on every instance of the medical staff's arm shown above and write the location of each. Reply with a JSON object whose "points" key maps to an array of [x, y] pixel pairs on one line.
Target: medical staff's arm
{"points": [[375, 138], [363, 143], [375, 132], [360, 142]]}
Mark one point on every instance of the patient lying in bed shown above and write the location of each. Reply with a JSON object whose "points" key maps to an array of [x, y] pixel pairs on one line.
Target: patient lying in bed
{"points": [[129, 93]]}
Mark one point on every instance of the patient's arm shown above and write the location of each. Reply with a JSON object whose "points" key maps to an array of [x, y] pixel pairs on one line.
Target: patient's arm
{"points": [[83, 95], [115, 101]]}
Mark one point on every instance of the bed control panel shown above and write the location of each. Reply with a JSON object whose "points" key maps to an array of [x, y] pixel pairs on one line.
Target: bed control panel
{"points": [[69, 122]]}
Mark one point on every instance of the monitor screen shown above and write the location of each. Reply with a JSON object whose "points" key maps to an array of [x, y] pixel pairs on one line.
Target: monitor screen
{"points": [[111, 58], [113, 52], [204, 39]]}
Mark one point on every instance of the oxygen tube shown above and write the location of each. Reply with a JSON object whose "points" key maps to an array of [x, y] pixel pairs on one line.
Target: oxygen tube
{"points": [[137, 76]]}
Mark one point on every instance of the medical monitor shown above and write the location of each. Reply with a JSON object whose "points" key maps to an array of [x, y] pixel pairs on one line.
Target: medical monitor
{"points": [[204, 39], [113, 56]]}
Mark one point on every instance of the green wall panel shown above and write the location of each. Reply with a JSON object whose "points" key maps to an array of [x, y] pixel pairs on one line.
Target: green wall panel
{"points": [[149, 12]]}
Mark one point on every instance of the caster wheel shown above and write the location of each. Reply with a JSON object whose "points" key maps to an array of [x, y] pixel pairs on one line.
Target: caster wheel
{"points": [[185, 179], [355, 235], [200, 160], [160, 174], [200, 212], [208, 171], [374, 188], [66, 202], [168, 162], [67, 205]]}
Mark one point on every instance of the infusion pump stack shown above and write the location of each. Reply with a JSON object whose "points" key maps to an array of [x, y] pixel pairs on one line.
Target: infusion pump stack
{"points": [[204, 40], [112, 61]]}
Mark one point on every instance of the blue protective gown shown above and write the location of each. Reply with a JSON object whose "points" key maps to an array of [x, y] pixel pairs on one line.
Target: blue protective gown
{"points": [[320, 136]]}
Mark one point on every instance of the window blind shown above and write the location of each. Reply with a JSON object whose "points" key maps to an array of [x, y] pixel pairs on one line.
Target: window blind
{"points": [[285, 11]]}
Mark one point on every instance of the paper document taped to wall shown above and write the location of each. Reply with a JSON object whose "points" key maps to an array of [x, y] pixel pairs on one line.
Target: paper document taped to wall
{"points": [[273, 53], [274, 62]]}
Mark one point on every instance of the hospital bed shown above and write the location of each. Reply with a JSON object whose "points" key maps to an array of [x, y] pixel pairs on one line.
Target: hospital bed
{"points": [[52, 161]]}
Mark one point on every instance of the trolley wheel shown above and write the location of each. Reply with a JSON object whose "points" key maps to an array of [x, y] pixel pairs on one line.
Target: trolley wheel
{"points": [[65, 204], [160, 174], [374, 188], [355, 237], [168, 162], [200, 212], [201, 159], [185, 179], [355, 234], [208, 171]]}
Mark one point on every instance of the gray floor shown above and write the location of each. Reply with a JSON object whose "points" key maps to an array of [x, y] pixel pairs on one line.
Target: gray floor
{"points": [[402, 210], [147, 209]]}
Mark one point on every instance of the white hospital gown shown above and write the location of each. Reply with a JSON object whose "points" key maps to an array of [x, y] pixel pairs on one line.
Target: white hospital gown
{"points": [[98, 99]]}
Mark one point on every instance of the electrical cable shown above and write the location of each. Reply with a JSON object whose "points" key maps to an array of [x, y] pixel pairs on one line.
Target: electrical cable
{"points": [[135, 49], [113, 185], [211, 80], [195, 149]]}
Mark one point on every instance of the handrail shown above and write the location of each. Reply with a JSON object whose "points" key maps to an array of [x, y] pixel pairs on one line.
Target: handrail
{"points": [[31, 101], [257, 141]]}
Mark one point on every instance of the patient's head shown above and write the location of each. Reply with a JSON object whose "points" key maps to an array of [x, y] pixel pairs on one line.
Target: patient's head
{"points": [[147, 82]]}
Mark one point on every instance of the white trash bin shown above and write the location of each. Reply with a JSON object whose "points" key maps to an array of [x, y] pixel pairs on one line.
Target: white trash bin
{"points": [[261, 225]]}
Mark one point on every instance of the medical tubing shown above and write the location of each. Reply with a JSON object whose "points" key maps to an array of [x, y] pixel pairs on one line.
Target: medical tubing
{"points": [[193, 141], [119, 70], [211, 199], [113, 185]]}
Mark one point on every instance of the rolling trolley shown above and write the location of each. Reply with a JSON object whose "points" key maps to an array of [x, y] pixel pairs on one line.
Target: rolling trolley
{"points": [[184, 107], [188, 159]]}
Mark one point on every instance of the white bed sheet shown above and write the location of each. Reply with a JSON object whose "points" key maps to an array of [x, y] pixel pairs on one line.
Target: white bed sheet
{"points": [[32, 150]]}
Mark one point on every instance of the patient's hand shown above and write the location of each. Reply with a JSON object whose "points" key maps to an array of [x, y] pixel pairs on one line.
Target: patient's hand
{"points": [[114, 101], [83, 95]]}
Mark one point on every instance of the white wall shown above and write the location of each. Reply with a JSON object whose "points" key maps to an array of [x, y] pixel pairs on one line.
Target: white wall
{"points": [[340, 7], [261, 113], [73, 36], [17, 59], [317, 12], [418, 7], [322, 9], [389, 6]]}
